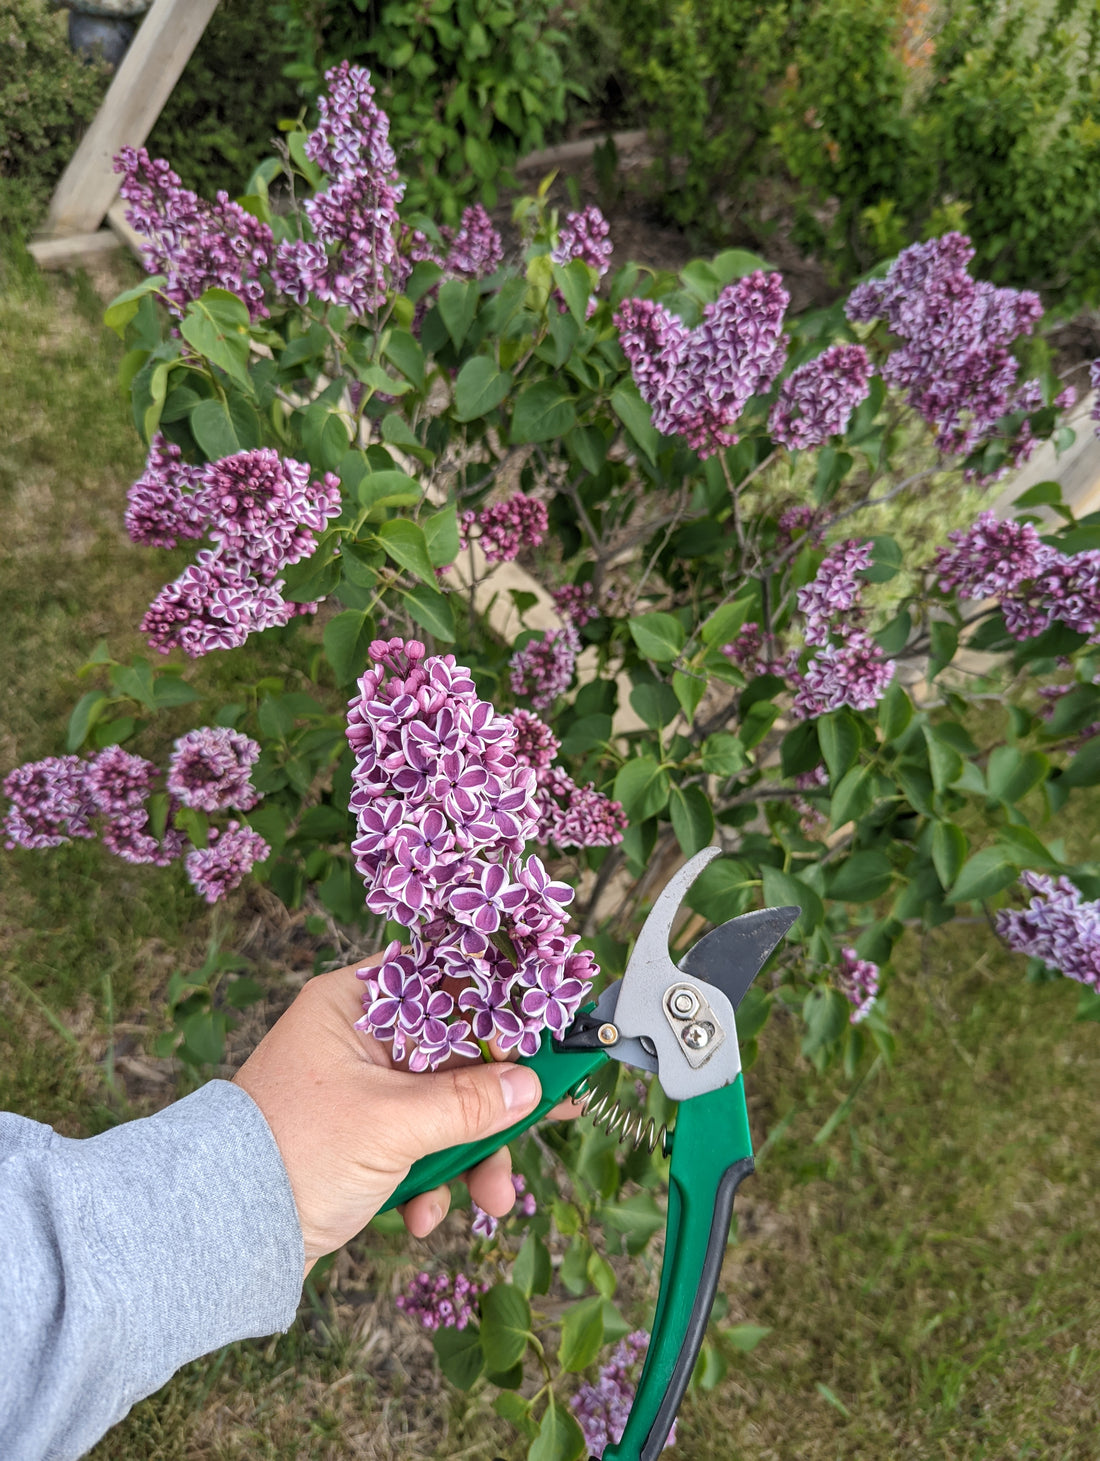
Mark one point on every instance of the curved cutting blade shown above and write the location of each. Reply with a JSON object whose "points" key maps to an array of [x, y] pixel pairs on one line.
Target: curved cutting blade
{"points": [[733, 954]]}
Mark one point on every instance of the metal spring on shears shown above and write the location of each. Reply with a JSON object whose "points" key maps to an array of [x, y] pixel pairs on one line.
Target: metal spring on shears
{"points": [[609, 1115]]}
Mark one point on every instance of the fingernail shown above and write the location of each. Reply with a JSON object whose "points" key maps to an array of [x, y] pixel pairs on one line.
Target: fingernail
{"points": [[435, 1216], [520, 1087]]}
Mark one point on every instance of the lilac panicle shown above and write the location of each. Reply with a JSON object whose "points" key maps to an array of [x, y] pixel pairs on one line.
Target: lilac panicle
{"points": [[476, 250], [505, 528], [444, 807], [441, 1302], [847, 667], [160, 506], [576, 603], [217, 869], [584, 236], [816, 401], [50, 803], [602, 1408], [543, 669], [858, 980], [1058, 927], [209, 769]]}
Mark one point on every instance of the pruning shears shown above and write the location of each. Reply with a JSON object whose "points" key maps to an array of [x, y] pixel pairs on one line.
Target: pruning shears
{"points": [[677, 1021]]}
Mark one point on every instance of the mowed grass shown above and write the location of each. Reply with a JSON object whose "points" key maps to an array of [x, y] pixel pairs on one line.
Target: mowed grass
{"points": [[928, 1272]]}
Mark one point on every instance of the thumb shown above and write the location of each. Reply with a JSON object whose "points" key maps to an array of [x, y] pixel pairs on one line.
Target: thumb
{"points": [[450, 1107]]}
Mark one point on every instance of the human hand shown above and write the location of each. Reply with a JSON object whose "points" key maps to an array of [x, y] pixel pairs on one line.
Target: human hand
{"points": [[349, 1126]]}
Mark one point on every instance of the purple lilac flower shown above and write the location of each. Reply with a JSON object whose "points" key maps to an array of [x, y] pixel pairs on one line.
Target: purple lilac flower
{"points": [[211, 606], [528, 1207], [441, 1302], [126, 835], [543, 668], [195, 244], [536, 743], [857, 979], [854, 673], [50, 803], [161, 507], [477, 249], [217, 869], [746, 651], [602, 1409], [834, 590], [209, 769], [117, 781], [444, 807], [584, 236], [353, 255], [484, 1224], [576, 816], [794, 522], [816, 401], [698, 381], [1057, 927], [506, 528], [954, 361], [575, 602]]}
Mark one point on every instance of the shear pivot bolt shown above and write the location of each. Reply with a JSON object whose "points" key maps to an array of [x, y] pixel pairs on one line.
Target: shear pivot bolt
{"points": [[683, 1002], [607, 1035], [696, 1036]]}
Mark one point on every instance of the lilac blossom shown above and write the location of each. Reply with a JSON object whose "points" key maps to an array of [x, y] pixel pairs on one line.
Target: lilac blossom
{"points": [[699, 381], [569, 815], [794, 522], [476, 250], [1057, 927], [543, 669], [854, 673], [576, 603], [117, 781], [160, 506], [858, 981], [834, 590], [584, 236], [220, 867], [816, 401], [212, 606], [126, 834], [444, 807], [603, 1408], [50, 803], [954, 361], [484, 1225], [209, 769], [505, 528], [746, 651], [442, 1302]]}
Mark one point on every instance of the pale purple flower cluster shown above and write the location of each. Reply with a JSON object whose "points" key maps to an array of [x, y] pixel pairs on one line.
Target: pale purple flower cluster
{"points": [[954, 360], [353, 255], [441, 1302], [209, 769], [857, 979], [1058, 927], [218, 868], [505, 528], [543, 669], [477, 249], [575, 602], [160, 506], [794, 522], [816, 401], [746, 651], [196, 245], [569, 815], [602, 1409], [584, 236], [698, 381], [444, 807], [847, 667], [835, 591], [56, 799], [485, 1225], [263, 513], [1035, 585]]}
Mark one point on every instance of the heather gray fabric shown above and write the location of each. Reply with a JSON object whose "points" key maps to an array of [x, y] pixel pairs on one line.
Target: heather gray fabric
{"points": [[126, 1255]]}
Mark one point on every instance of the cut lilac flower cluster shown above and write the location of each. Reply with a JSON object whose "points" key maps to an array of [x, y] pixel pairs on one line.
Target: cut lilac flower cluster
{"points": [[57, 799], [160, 506], [543, 669], [954, 361], [196, 245], [1057, 927], [698, 381], [444, 807], [576, 602], [602, 1409], [857, 979], [442, 1302], [505, 528], [847, 667], [816, 401], [353, 256], [1035, 585], [263, 513]]}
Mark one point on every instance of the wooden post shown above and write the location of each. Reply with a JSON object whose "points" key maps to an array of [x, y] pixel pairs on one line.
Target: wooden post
{"points": [[141, 86]]}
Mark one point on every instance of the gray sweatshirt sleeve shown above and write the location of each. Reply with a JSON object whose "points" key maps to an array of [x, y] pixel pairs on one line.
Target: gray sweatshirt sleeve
{"points": [[125, 1255]]}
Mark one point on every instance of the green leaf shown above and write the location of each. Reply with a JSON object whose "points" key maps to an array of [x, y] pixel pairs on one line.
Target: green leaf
{"points": [[945, 763], [586, 734], [692, 818], [560, 1438], [726, 620], [460, 1355], [87, 710], [457, 305], [949, 849], [745, 1337], [346, 639], [893, 637], [757, 721], [1012, 773], [581, 1334], [838, 735], [404, 542], [655, 703], [945, 641], [170, 690], [895, 711], [660, 637], [722, 890], [689, 690], [575, 282], [216, 326], [1084, 768], [441, 535], [635, 1218], [1043, 494], [784, 890], [825, 1012], [861, 878], [213, 429], [853, 798], [407, 354], [505, 1326], [543, 412], [531, 1272], [387, 488], [982, 875], [1023, 847], [642, 786], [480, 388], [124, 306], [636, 416], [722, 754], [431, 610], [799, 750]]}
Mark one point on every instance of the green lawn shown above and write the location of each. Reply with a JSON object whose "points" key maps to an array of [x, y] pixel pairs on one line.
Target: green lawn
{"points": [[927, 1272]]}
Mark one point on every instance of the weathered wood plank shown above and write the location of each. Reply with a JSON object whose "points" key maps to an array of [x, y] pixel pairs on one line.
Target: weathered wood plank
{"points": [[141, 86], [74, 249]]}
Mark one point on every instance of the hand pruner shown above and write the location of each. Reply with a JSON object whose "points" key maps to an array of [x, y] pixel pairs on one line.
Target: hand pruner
{"points": [[679, 1023]]}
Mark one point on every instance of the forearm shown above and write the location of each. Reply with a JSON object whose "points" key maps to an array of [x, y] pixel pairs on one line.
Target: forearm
{"points": [[124, 1256]]}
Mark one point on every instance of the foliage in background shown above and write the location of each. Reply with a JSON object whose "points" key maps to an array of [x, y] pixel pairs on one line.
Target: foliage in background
{"points": [[47, 97]]}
